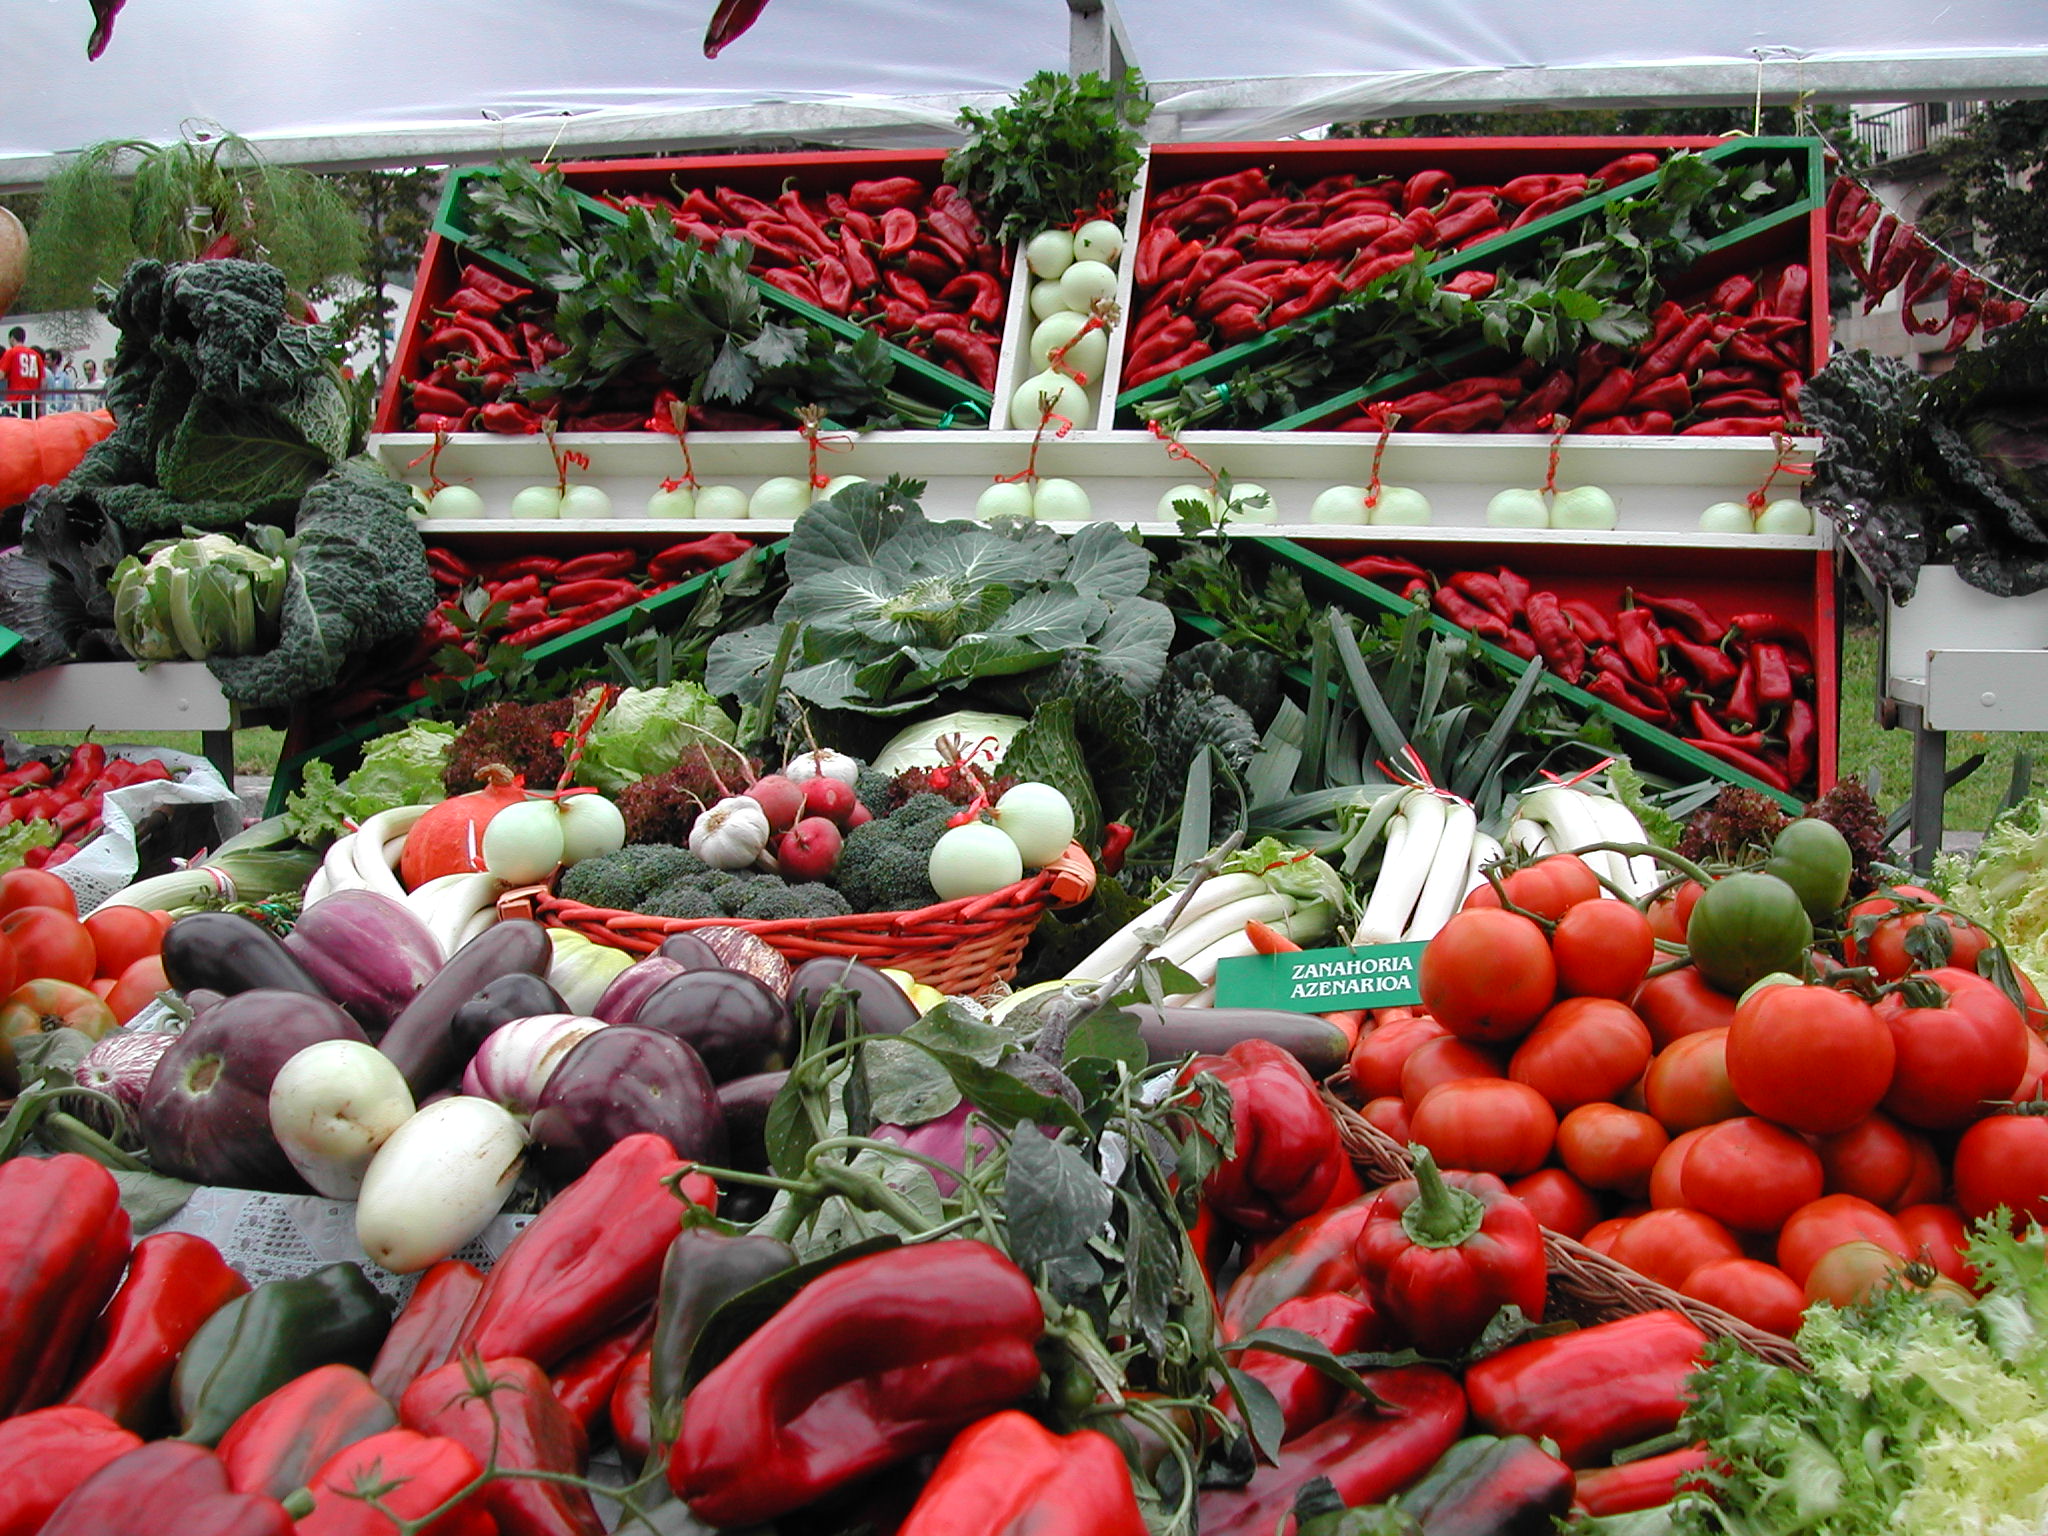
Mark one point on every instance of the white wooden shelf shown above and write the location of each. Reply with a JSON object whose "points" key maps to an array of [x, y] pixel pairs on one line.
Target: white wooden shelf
{"points": [[116, 696]]}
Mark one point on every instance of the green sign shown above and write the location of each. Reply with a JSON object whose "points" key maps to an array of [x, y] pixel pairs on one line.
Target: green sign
{"points": [[1322, 980]]}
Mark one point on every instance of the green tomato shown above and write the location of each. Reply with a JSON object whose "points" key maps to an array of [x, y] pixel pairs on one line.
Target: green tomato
{"points": [[1816, 861], [1746, 926], [1785, 516]]}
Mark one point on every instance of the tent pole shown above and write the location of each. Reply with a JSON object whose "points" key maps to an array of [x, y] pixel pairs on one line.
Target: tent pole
{"points": [[1096, 41]]}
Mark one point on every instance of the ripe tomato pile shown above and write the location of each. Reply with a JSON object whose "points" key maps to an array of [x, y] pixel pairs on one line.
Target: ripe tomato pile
{"points": [[57, 972], [1747, 1137]]}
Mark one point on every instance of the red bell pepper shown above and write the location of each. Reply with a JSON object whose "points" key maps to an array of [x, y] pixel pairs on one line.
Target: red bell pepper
{"points": [[1288, 1161], [427, 1470], [1650, 1483], [876, 1361], [1309, 1258], [1011, 1476], [631, 1409], [165, 1488], [47, 1454], [1367, 1452], [585, 1381], [175, 1282], [587, 1263], [518, 1421], [62, 1250], [277, 1445], [1343, 1323], [1593, 1391], [1441, 1253]]}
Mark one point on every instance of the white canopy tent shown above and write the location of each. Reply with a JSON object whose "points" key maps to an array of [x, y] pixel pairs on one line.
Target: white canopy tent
{"points": [[386, 82]]}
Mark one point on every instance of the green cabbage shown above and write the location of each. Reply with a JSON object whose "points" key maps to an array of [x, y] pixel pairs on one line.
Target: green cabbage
{"points": [[201, 596], [401, 768], [647, 731]]}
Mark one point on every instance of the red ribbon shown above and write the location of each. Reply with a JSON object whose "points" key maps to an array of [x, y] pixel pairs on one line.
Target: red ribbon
{"points": [[1579, 777], [821, 442], [1559, 425], [1757, 498], [432, 459]]}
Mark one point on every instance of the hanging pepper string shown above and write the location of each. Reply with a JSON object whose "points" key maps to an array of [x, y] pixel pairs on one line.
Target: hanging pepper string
{"points": [[679, 413], [808, 421], [1559, 425], [1102, 314], [1028, 475], [1176, 451], [1785, 447], [432, 459], [1387, 420]]}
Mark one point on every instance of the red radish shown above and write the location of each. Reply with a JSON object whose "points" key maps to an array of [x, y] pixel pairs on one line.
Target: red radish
{"points": [[829, 798], [859, 816], [781, 798], [809, 852], [449, 839]]}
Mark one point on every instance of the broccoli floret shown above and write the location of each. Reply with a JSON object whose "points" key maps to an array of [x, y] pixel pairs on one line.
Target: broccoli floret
{"points": [[767, 902], [884, 865], [872, 788], [681, 899], [623, 880]]}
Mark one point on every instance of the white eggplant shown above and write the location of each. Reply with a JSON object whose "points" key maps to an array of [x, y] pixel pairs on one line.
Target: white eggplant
{"points": [[437, 1181], [332, 1105], [516, 1060], [1444, 885]]}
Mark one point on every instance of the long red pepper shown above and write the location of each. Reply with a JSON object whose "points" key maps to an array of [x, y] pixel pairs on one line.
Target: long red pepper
{"points": [[47, 1454], [175, 1282], [518, 1421], [65, 1244]]}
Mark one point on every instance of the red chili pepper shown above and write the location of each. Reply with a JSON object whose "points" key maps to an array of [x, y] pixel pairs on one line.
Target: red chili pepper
{"points": [[1670, 394], [1383, 568], [1711, 729], [975, 355], [1709, 665], [1468, 416], [1669, 356], [1168, 340], [492, 285], [1649, 1483], [423, 1334], [1425, 189], [1237, 323], [1466, 614], [1612, 689], [1238, 186], [1152, 250], [1773, 677], [467, 301], [1487, 591], [797, 284], [514, 589], [883, 196], [1543, 207], [1548, 398], [545, 629], [1524, 190], [1735, 426], [835, 287], [594, 589], [1519, 643], [1456, 227], [1638, 638], [1608, 396], [699, 554], [510, 418], [1627, 168], [1802, 737], [1747, 762], [1562, 650]]}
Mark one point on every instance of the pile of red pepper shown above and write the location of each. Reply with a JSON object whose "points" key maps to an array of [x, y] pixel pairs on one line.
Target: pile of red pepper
{"points": [[69, 798], [484, 334], [1739, 689], [1898, 257], [1229, 259], [1730, 365], [912, 262]]}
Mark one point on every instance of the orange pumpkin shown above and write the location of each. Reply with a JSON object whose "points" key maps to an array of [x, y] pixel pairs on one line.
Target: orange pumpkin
{"points": [[45, 450]]}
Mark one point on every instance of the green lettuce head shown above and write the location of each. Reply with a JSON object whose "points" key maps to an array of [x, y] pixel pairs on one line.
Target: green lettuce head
{"points": [[647, 731]]}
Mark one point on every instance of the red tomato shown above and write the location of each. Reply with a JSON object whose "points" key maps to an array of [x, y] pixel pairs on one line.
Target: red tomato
{"points": [[2002, 1160], [1687, 1084], [1549, 888], [102, 987], [1680, 1003], [25, 887], [1671, 912], [1811, 1058], [1377, 1059], [1761, 1294], [1447, 1060], [1936, 1235], [1584, 1050], [1667, 1174], [1488, 975], [1389, 1113], [1966, 1049], [1846, 1275], [1929, 1180], [1602, 949], [1829, 1222], [1607, 1147], [2036, 1010], [1750, 1174], [1667, 1246], [137, 987], [1885, 948], [1872, 1160], [1486, 1125], [9, 965], [49, 945], [1601, 1235], [40, 1007], [2037, 1069], [121, 936], [1557, 1200]]}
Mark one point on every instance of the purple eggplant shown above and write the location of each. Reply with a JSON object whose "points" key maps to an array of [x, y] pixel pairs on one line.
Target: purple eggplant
{"points": [[422, 1040], [517, 996], [227, 953], [745, 1101], [634, 985], [369, 952], [620, 1081], [690, 952], [851, 994], [731, 1020], [206, 1112]]}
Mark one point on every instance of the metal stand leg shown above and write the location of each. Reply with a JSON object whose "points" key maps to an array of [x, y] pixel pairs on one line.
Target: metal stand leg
{"points": [[1930, 768], [218, 748]]}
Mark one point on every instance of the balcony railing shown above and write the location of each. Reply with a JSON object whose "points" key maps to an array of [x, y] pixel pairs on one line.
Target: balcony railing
{"points": [[1915, 128]]}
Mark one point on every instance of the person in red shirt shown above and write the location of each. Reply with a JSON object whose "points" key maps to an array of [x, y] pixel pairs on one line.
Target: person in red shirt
{"points": [[21, 366]]}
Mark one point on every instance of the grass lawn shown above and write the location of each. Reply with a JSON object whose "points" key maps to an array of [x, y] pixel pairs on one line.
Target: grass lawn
{"points": [[1864, 746]]}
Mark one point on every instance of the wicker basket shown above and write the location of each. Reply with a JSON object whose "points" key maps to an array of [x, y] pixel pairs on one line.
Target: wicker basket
{"points": [[961, 947], [1585, 1285]]}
